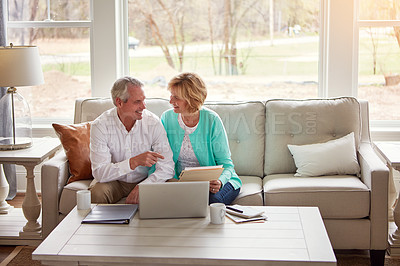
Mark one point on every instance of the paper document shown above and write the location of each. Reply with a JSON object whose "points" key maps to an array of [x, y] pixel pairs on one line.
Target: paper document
{"points": [[244, 211], [111, 214], [201, 173], [238, 219]]}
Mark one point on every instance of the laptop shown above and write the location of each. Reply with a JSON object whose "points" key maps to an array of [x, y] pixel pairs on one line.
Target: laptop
{"points": [[173, 200]]}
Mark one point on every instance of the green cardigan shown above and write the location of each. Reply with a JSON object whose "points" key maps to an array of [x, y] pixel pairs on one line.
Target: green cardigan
{"points": [[209, 142]]}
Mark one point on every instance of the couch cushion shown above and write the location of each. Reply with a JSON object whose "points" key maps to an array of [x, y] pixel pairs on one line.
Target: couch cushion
{"points": [[334, 157], [245, 126], [337, 197], [157, 106], [68, 195], [89, 109], [301, 122], [75, 140], [250, 192]]}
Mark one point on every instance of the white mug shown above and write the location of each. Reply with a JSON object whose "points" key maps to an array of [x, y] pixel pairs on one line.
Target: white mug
{"points": [[217, 213], [83, 199]]}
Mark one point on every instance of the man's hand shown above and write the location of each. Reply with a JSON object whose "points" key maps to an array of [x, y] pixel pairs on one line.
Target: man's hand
{"points": [[147, 158], [133, 197], [215, 186]]}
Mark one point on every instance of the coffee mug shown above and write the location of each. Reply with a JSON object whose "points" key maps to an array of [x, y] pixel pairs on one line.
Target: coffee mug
{"points": [[217, 213], [83, 199]]}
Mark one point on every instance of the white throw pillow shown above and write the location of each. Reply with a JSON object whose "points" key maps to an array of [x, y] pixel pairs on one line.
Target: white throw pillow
{"points": [[335, 157]]}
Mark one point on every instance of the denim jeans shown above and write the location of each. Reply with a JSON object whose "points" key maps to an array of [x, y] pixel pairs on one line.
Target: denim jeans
{"points": [[226, 195]]}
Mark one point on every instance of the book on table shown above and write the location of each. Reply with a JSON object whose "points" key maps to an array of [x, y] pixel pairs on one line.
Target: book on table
{"points": [[201, 173], [111, 214]]}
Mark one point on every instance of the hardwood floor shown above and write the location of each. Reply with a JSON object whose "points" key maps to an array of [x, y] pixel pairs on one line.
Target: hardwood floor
{"points": [[19, 199], [17, 203], [5, 251]]}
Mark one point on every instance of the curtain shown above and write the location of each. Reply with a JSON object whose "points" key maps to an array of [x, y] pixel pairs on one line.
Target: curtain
{"points": [[9, 169]]}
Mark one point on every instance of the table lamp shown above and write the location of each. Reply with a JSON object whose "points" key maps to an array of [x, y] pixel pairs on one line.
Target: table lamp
{"points": [[19, 66]]}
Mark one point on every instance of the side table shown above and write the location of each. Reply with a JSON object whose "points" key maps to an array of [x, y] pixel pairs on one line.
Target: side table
{"points": [[390, 151], [42, 148]]}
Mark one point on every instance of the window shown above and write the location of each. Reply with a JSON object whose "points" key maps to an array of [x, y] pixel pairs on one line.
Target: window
{"points": [[334, 61], [61, 30], [379, 57], [244, 50]]}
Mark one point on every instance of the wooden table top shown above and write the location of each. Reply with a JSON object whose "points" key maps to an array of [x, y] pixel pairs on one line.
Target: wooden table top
{"points": [[40, 150], [294, 234]]}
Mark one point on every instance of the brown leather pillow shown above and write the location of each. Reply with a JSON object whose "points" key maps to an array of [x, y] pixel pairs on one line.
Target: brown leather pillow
{"points": [[75, 140]]}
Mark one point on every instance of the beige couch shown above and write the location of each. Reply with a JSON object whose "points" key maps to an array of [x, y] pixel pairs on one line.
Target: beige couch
{"points": [[354, 209]]}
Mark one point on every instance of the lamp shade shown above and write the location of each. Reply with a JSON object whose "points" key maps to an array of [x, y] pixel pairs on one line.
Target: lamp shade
{"points": [[20, 66]]}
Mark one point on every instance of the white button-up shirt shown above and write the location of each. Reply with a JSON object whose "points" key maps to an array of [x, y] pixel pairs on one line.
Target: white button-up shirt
{"points": [[111, 147]]}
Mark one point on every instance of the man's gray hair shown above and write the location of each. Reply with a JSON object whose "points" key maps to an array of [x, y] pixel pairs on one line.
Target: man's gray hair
{"points": [[120, 88]]}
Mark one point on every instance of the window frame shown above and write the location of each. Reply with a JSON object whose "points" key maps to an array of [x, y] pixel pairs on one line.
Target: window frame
{"points": [[105, 67], [385, 130], [41, 127]]}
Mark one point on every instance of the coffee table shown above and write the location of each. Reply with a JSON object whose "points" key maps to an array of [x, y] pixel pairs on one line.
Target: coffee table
{"points": [[291, 235]]}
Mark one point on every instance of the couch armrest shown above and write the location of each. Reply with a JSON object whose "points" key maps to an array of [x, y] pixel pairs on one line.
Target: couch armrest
{"points": [[55, 174], [375, 175]]}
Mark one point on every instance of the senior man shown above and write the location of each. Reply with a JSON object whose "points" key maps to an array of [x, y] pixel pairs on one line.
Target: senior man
{"points": [[125, 142]]}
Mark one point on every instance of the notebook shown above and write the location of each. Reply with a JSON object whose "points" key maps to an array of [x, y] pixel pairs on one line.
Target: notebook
{"points": [[111, 214], [173, 200]]}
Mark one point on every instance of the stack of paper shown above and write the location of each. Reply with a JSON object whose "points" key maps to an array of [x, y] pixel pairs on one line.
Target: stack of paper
{"points": [[201, 173], [240, 214]]}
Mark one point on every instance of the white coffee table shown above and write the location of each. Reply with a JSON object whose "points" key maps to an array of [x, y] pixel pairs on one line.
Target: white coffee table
{"points": [[291, 235]]}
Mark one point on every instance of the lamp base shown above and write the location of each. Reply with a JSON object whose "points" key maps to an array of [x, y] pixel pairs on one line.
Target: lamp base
{"points": [[20, 143]]}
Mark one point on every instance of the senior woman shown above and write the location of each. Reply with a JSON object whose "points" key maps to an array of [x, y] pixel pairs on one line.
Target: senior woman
{"points": [[197, 136]]}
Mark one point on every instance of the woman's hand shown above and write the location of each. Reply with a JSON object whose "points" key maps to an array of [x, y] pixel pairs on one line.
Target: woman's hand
{"points": [[215, 186]]}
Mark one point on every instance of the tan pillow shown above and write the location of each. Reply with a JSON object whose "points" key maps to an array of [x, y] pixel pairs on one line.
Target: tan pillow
{"points": [[75, 140]]}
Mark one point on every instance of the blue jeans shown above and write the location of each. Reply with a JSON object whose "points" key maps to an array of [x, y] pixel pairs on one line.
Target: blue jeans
{"points": [[226, 195]]}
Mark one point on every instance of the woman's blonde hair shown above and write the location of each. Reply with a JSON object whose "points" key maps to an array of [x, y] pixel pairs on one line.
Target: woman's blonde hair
{"points": [[190, 87]]}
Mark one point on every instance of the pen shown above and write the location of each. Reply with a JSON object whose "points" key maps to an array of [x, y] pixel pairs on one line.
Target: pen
{"points": [[234, 209]]}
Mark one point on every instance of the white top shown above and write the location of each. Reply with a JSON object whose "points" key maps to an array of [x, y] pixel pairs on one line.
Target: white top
{"points": [[292, 235], [111, 147], [40, 150], [186, 158]]}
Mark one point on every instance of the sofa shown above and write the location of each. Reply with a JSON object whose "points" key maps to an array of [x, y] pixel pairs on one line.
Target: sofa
{"points": [[353, 206]]}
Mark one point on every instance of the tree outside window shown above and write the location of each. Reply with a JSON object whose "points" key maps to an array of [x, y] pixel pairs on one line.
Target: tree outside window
{"points": [[245, 50]]}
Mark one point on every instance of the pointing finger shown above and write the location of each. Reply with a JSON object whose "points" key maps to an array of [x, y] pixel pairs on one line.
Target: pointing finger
{"points": [[156, 154]]}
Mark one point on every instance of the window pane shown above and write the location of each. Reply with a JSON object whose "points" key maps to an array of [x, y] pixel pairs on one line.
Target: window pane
{"points": [[379, 69], [379, 9], [66, 69], [70, 10], [37, 10], [251, 65]]}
